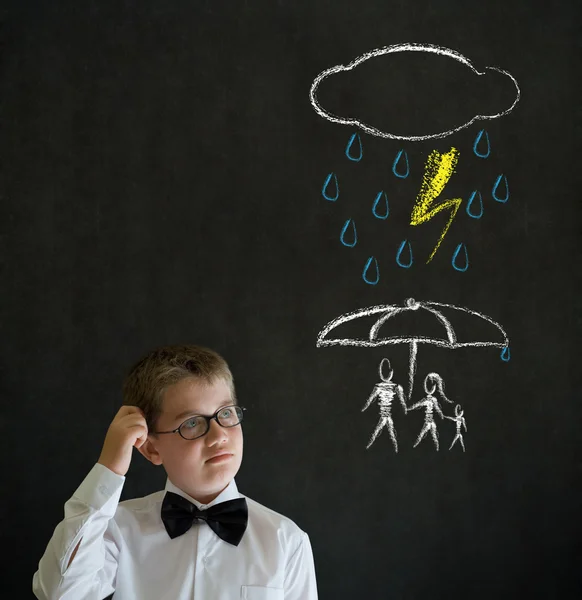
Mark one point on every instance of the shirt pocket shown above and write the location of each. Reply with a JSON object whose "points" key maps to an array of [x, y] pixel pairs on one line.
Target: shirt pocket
{"points": [[259, 592]]}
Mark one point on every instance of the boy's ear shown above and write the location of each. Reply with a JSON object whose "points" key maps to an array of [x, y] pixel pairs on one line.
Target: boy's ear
{"points": [[149, 450]]}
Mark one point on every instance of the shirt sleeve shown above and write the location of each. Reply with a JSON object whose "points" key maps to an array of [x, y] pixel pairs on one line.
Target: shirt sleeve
{"points": [[300, 581], [88, 517]]}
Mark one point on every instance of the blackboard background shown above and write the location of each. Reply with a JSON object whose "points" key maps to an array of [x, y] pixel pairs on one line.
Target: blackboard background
{"points": [[161, 177]]}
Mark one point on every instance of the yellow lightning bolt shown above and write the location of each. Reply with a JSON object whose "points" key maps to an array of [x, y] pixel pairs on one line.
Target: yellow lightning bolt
{"points": [[437, 172]]}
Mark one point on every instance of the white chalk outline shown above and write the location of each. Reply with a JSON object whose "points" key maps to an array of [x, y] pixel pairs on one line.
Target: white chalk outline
{"points": [[412, 47], [388, 311], [385, 392], [459, 420]]}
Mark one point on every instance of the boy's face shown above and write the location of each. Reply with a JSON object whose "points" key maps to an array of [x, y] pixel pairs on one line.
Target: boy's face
{"points": [[188, 462]]}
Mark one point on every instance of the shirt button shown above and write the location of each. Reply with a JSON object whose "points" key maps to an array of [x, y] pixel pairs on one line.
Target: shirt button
{"points": [[103, 489]]}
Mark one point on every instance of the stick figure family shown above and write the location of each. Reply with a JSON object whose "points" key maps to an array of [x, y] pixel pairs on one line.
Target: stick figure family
{"points": [[385, 392]]}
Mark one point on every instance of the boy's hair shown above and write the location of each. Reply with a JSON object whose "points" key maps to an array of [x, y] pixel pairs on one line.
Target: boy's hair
{"points": [[148, 379]]}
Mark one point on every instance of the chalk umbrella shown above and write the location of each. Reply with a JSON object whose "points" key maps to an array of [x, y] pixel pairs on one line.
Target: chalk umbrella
{"points": [[378, 332]]}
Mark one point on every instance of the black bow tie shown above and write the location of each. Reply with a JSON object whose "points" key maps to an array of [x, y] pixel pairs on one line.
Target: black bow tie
{"points": [[227, 519]]}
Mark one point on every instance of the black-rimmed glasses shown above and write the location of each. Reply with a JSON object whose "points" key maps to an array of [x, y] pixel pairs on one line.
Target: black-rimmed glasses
{"points": [[199, 425]]}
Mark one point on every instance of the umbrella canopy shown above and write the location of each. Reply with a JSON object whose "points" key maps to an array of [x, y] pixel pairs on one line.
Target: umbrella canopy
{"points": [[378, 333]]}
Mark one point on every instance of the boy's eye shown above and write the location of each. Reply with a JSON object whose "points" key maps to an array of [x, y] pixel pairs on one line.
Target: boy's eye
{"points": [[225, 413], [193, 422]]}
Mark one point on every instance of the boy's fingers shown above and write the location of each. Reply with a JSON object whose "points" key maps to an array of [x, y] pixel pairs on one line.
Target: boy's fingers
{"points": [[128, 410], [133, 418]]}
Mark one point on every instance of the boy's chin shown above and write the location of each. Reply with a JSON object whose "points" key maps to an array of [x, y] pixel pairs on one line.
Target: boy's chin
{"points": [[222, 476]]}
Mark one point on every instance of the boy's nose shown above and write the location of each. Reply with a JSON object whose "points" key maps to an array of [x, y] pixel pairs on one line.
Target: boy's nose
{"points": [[216, 434]]}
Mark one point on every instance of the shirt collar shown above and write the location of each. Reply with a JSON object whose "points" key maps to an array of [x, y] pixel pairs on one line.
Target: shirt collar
{"points": [[230, 492]]}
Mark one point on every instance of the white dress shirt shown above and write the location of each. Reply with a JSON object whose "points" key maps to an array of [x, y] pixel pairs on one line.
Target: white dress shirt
{"points": [[126, 550]]}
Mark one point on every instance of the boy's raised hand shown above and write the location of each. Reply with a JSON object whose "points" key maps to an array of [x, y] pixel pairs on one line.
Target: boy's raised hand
{"points": [[128, 429]]}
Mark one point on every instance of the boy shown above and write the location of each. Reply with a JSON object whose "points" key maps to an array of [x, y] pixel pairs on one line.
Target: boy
{"points": [[197, 539]]}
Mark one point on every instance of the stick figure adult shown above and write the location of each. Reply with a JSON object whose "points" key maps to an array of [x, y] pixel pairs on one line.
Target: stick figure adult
{"points": [[430, 403], [385, 391]]}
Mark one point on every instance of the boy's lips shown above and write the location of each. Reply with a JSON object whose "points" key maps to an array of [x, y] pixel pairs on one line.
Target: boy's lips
{"points": [[219, 457]]}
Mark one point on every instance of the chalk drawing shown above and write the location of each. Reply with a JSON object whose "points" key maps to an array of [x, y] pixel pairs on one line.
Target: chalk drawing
{"points": [[406, 47], [376, 335], [430, 404], [438, 170], [384, 392], [460, 422]]}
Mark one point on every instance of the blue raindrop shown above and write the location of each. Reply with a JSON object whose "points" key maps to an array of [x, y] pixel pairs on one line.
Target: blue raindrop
{"points": [[399, 255], [505, 354], [367, 268], [487, 145], [455, 261], [358, 157], [324, 190], [401, 174], [470, 210], [496, 188], [384, 206], [353, 233]]}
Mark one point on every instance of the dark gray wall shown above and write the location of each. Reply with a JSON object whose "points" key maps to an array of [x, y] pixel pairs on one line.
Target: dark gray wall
{"points": [[162, 170]]}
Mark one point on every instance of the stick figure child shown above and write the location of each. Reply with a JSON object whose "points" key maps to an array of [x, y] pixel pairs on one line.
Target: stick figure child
{"points": [[459, 420], [431, 382], [385, 391]]}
